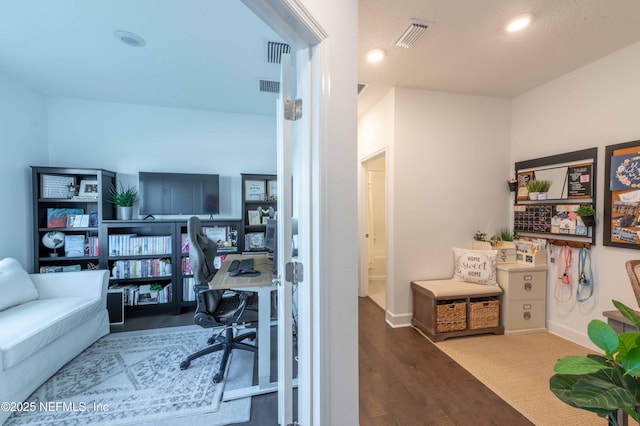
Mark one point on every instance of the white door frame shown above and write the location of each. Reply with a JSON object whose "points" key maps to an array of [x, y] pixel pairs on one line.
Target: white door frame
{"points": [[290, 20]]}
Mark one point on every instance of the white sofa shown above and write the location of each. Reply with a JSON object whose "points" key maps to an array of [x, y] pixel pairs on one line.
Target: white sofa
{"points": [[41, 334]]}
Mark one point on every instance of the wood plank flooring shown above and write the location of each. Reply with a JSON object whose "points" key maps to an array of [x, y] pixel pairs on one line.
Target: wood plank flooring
{"points": [[406, 380]]}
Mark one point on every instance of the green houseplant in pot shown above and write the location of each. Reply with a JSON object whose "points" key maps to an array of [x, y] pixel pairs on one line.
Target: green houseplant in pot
{"points": [[124, 199], [538, 189], [606, 383], [588, 214]]}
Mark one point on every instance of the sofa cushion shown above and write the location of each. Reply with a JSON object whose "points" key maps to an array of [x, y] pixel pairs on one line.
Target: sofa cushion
{"points": [[27, 328], [15, 285]]}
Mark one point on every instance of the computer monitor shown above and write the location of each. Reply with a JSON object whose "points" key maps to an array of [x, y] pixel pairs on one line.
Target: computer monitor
{"points": [[271, 240]]}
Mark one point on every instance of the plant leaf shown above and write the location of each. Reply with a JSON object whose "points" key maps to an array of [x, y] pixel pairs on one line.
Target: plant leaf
{"points": [[564, 387], [603, 336], [631, 362], [628, 313], [628, 341], [577, 365]]}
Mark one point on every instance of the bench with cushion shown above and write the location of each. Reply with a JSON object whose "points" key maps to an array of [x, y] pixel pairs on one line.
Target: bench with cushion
{"points": [[449, 308]]}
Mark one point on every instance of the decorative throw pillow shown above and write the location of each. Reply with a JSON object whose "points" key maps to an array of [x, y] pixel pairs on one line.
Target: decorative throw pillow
{"points": [[476, 266], [16, 286]]}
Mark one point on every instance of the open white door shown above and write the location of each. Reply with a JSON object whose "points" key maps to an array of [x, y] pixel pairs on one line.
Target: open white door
{"points": [[287, 266]]}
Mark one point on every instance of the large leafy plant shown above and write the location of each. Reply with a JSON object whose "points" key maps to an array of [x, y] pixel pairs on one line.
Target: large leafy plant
{"points": [[605, 383]]}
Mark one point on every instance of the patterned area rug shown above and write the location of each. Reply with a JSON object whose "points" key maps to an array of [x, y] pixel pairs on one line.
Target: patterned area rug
{"points": [[134, 378]]}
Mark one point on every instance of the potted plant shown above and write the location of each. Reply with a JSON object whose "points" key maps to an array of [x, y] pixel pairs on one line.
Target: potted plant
{"points": [[606, 383], [480, 236], [124, 198], [588, 214], [538, 189]]}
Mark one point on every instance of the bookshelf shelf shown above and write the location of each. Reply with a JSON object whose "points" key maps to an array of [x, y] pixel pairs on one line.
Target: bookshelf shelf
{"points": [[252, 184], [56, 213]]}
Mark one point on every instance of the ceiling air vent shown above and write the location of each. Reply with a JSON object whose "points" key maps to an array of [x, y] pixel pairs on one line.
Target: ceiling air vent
{"points": [[268, 86], [412, 33], [361, 87], [275, 51]]}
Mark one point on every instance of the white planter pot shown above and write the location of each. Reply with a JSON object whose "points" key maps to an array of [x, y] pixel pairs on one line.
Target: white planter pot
{"points": [[125, 213], [533, 195], [542, 196]]}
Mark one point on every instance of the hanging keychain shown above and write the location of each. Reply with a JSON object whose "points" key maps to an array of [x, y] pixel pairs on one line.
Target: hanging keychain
{"points": [[564, 260], [584, 283]]}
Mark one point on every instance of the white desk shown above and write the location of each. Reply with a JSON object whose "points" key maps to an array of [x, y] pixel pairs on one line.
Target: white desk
{"points": [[263, 285]]}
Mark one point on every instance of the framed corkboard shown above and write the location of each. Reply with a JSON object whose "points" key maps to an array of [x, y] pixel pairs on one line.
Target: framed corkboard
{"points": [[622, 195]]}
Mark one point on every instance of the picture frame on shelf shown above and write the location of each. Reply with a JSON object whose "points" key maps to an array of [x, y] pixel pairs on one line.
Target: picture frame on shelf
{"points": [[255, 240], [272, 189], [253, 217], [59, 218], [88, 189], [56, 186], [254, 190], [523, 179]]}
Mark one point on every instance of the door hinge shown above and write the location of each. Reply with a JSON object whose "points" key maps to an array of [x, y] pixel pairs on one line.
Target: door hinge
{"points": [[292, 109], [294, 272]]}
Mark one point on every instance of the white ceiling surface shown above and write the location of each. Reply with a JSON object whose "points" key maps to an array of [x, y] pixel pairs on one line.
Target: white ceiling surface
{"points": [[467, 50], [199, 54]]}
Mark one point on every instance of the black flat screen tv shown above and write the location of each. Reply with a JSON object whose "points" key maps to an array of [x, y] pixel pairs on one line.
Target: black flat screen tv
{"points": [[178, 193]]}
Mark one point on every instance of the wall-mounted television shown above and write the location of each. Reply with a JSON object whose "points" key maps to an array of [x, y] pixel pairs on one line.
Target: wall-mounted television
{"points": [[178, 193]]}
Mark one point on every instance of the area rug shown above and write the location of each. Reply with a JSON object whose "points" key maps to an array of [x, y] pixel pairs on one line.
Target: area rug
{"points": [[517, 368], [134, 378]]}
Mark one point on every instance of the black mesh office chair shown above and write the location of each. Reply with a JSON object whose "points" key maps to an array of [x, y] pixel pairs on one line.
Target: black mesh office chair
{"points": [[217, 308]]}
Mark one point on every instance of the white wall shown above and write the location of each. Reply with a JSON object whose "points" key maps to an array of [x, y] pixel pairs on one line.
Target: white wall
{"points": [[594, 106], [128, 138], [23, 138], [447, 178]]}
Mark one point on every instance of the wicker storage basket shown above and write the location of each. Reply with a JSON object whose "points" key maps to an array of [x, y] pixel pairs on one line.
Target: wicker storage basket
{"points": [[484, 313], [452, 315]]}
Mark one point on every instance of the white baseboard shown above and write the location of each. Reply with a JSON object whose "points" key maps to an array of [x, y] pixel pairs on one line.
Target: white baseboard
{"points": [[396, 321], [571, 335]]}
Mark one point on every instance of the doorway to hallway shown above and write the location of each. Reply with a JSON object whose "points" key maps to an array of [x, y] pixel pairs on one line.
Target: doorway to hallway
{"points": [[375, 169]]}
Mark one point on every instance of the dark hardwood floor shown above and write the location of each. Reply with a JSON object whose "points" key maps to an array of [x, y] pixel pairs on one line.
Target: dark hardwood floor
{"points": [[405, 379]]}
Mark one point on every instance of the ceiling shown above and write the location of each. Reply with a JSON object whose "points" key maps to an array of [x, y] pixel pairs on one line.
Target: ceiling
{"points": [[199, 54], [467, 50], [207, 54]]}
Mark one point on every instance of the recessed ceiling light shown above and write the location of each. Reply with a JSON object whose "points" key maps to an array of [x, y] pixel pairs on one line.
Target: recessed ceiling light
{"points": [[519, 22], [130, 39], [375, 55]]}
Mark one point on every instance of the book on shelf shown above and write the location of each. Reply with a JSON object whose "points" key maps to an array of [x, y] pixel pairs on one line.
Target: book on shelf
{"points": [[74, 245], [184, 243], [141, 268], [144, 294], [134, 245], [58, 218], [188, 292], [93, 246], [58, 268]]}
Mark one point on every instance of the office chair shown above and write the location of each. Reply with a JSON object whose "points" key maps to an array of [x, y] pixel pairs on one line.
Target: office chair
{"points": [[217, 308]]}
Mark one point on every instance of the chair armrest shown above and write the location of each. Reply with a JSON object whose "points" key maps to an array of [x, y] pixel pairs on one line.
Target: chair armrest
{"points": [[85, 283]]}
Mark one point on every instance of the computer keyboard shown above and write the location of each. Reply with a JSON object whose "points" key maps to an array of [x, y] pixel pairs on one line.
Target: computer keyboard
{"points": [[243, 268]]}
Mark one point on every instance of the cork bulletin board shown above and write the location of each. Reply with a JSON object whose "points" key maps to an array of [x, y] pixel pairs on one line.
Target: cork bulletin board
{"points": [[622, 195]]}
